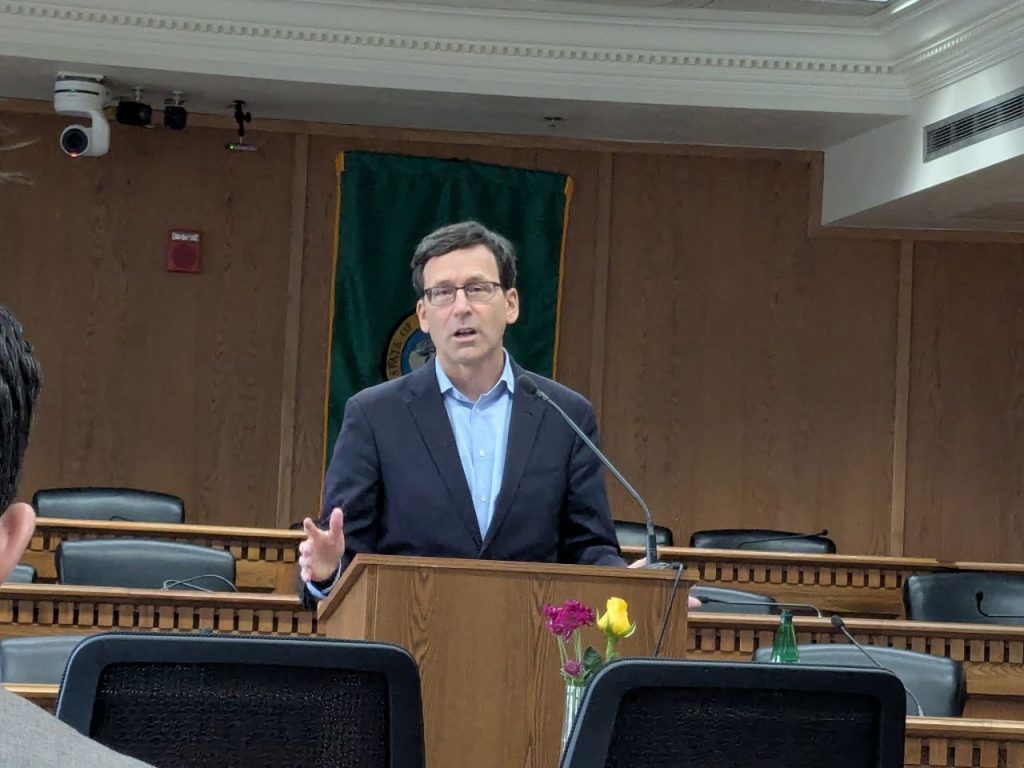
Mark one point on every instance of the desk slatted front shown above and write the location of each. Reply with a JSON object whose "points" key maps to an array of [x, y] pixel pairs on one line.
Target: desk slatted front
{"points": [[992, 656], [265, 558], [851, 585], [57, 609]]}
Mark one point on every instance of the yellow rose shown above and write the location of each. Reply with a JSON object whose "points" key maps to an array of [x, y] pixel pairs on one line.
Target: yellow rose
{"points": [[615, 621]]}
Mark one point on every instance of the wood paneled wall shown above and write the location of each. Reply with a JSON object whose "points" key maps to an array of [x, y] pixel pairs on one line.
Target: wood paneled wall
{"points": [[750, 370], [744, 363], [157, 380], [965, 460]]}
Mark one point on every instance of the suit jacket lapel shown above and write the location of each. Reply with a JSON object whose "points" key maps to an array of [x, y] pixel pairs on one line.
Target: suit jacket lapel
{"points": [[428, 411], [527, 413]]}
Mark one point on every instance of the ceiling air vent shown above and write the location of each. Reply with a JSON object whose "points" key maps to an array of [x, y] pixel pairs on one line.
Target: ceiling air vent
{"points": [[1001, 114]]}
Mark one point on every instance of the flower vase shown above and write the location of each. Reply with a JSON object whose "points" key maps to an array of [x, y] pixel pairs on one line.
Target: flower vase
{"points": [[573, 697]]}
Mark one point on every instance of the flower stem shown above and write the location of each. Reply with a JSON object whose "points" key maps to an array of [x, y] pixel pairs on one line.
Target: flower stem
{"points": [[609, 650]]}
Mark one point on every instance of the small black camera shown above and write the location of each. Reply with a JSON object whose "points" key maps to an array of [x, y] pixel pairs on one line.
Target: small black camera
{"points": [[175, 117], [134, 113]]}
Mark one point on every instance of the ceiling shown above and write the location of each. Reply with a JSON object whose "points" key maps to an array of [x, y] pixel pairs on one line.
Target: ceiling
{"points": [[815, 8], [804, 74], [271, 99]]}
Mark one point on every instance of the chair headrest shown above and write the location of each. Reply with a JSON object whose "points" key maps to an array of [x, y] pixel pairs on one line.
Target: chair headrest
{"points": [[36, 659], [633, 534], [143, 564], [763, 540], [109, 504], [23, 573]]}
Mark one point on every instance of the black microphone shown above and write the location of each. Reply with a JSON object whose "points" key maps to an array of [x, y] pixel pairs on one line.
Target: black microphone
{"points": [[530, 387], [787, 537], [804, 606], [979, 597], [839, 624]]}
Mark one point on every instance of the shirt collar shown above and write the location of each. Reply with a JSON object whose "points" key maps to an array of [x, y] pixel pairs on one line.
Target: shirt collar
{"points": [[446, 386]]}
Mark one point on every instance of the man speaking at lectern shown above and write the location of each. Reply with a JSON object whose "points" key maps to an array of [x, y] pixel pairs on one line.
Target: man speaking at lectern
{"points": [[454, 459]]}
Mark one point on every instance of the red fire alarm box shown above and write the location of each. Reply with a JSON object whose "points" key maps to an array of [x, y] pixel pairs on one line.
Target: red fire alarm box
{"points": [[183, 251]]}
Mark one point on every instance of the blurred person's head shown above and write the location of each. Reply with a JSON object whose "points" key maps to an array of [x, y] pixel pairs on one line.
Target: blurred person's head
{"points": [[20, 380]]}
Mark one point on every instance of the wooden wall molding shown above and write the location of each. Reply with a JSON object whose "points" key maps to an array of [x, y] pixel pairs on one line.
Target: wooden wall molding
{"points": [[901, 405], [45, 609]]}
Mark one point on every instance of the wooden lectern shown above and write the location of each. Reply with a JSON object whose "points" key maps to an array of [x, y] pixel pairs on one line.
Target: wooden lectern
{"points": [[489, 669]]}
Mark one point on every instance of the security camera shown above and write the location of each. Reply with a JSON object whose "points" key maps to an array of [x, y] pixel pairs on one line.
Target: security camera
{"points": [[175, 114], [83, 95], [134, 111]]}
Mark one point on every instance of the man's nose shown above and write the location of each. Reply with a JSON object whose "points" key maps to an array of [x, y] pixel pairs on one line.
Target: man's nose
{"points": [[462, 304]]}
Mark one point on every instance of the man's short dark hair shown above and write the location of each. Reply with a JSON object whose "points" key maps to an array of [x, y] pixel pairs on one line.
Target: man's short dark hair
{"points": [[20, 380], [455, 237]]}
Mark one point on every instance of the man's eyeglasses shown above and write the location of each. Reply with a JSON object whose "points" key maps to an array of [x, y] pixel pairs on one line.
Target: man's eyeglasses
{"points": [[476, 293]]}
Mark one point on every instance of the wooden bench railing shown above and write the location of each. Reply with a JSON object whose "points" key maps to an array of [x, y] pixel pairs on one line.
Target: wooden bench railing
{"points": [[961, 743], [992, 656], [265, 558], [57, 609], [853, 585], [266, 562]]}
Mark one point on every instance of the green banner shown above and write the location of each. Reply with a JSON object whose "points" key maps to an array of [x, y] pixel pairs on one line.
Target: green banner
{"points": [[388, 203]]}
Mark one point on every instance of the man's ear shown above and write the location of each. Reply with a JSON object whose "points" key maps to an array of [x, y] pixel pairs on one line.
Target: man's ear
{"points": [[511, 305], [16, 527], [421, 314]]}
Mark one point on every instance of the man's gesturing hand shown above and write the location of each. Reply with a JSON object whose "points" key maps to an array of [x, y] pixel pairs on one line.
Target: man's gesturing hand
{"points": [[320, 553]]}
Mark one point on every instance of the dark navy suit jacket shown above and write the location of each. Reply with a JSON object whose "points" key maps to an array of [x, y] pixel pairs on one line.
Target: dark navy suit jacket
{"points": [[396, 473]]}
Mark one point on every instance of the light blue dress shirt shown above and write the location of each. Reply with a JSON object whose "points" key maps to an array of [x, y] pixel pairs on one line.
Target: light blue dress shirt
{"points": [[481, 435]]}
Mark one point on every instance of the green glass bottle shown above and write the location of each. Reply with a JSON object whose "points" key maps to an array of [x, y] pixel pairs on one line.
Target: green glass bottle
{"points": [[784, 650]]}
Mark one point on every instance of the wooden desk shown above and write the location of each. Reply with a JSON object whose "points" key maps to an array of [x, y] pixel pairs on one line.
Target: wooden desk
{"points": [[847, 584], [265, 558], [492, 693], [992, 656], [939, 741], [930, 741], [56, 609], [40, 694]]}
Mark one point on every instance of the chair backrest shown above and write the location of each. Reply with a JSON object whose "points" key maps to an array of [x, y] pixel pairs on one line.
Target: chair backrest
{"points": [[764, 540], [765, 604], [144, 564], [36, 659], [938, 683], [662, 714], [23, 573], [633, 534], [109, 504], [246, 701], [953, 596]]}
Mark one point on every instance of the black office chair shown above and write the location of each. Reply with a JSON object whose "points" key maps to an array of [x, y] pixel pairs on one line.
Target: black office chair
{"points": [[23, 573], [633, 534], [144, 564], [664, 714], [763, 540], [109, 504], [36, 659], [765, 604], [954, 596], [181, 701], [938, 683]]}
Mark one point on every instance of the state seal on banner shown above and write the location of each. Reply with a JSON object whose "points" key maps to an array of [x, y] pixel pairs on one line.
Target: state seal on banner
{"points": [[408, 348]]}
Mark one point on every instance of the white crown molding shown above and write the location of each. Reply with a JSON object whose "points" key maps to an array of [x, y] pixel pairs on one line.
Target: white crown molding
{"points": [[644, 58], [965, 52], [641, 55]]}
